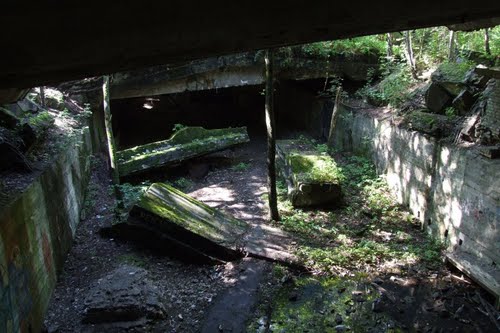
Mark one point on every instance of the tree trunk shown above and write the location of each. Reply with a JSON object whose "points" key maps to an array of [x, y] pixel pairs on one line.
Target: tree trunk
{"points": [[409, 54], [333, 121], [451, 46], [111, 141], [42, 96], [390, 52], [487, 41], [271, 140]]}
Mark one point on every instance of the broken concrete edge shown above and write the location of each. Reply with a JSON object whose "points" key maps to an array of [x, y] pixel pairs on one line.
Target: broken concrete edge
{"points": [[165, 213], [169, 203], [185, 144], [486, 280], [171, 222]]}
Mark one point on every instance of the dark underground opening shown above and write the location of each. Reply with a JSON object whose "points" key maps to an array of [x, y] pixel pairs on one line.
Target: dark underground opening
{"points": [[300, 106]]}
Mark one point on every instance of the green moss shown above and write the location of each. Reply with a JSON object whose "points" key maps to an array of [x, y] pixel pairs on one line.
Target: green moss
{"points": [[186, 143], [314, 168], [453, 72], [312, 305], [176, 207]]}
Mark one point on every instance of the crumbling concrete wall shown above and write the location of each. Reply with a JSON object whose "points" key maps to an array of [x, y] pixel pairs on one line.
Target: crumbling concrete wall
{"points": [[36, 232], [453, 191], [490, 120]]}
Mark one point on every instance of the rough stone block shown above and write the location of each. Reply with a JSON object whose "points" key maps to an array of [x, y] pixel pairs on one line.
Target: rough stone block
{"points": [[124, 295], [463, 102], [313, 178], [437, 98]]}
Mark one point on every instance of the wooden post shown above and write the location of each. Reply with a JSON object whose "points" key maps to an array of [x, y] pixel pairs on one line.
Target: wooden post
{"points": [[42, 96], [271, 140], [333, 121], [111, 141]]}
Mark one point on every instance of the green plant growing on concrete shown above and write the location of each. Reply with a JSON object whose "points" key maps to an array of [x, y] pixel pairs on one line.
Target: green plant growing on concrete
{"points": [[132, 193], [242, 166], [450, 112], [178, 127], [40, 122], [183, 183]]}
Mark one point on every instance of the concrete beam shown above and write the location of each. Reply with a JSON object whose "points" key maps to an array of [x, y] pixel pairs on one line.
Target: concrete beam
{"points": [[52, 41]]}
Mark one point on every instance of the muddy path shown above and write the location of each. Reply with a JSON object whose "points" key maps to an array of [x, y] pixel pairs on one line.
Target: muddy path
{"points": [[252, 295]]}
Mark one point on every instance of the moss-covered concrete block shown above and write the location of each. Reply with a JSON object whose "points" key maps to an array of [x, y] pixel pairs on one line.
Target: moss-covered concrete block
{"points": [[313, 178], [178, 225], [187, 143]]}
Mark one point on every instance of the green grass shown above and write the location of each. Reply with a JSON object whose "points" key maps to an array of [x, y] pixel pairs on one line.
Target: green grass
{"points": [[370, 231]]}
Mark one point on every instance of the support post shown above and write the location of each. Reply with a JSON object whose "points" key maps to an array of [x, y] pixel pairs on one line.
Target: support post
{"points": [[42, 96], [333, 121], [271, 140], [111, 141]]}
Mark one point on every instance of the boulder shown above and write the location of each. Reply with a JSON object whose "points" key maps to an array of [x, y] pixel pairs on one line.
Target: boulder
{"points": [[450, 76], [429, 123], [437, 98], [463, 102], [124, 295]]}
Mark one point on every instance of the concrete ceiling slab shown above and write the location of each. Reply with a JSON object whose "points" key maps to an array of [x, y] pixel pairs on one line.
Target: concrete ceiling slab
{"points": [[51, 41]]}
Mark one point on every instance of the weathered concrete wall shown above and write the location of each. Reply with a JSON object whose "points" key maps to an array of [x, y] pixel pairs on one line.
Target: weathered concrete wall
{"points": [[490, 120], [454, 192], [237, 70], [36, 232]]}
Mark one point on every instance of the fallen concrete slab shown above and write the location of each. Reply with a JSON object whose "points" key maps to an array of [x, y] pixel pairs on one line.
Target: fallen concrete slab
{"points": [[186, 143], [313, 178], [169, 220], [177, 225]]}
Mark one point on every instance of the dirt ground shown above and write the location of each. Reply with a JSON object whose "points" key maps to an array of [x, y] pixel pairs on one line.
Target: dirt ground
{"points": [[414, 300]]}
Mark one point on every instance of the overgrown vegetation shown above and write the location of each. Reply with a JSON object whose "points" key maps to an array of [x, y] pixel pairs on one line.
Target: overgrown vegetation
{"points": [[374, 44], [369, 233]]}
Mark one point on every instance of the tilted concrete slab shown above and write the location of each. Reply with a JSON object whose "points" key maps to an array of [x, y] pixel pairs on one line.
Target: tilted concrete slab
{"points": [[313, 179], [184, 226], [176, 224], [186, 143]]}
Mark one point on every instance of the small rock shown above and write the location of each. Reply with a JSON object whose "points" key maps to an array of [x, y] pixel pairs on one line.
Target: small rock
{"points": [[377, 306], [341, 328]]}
